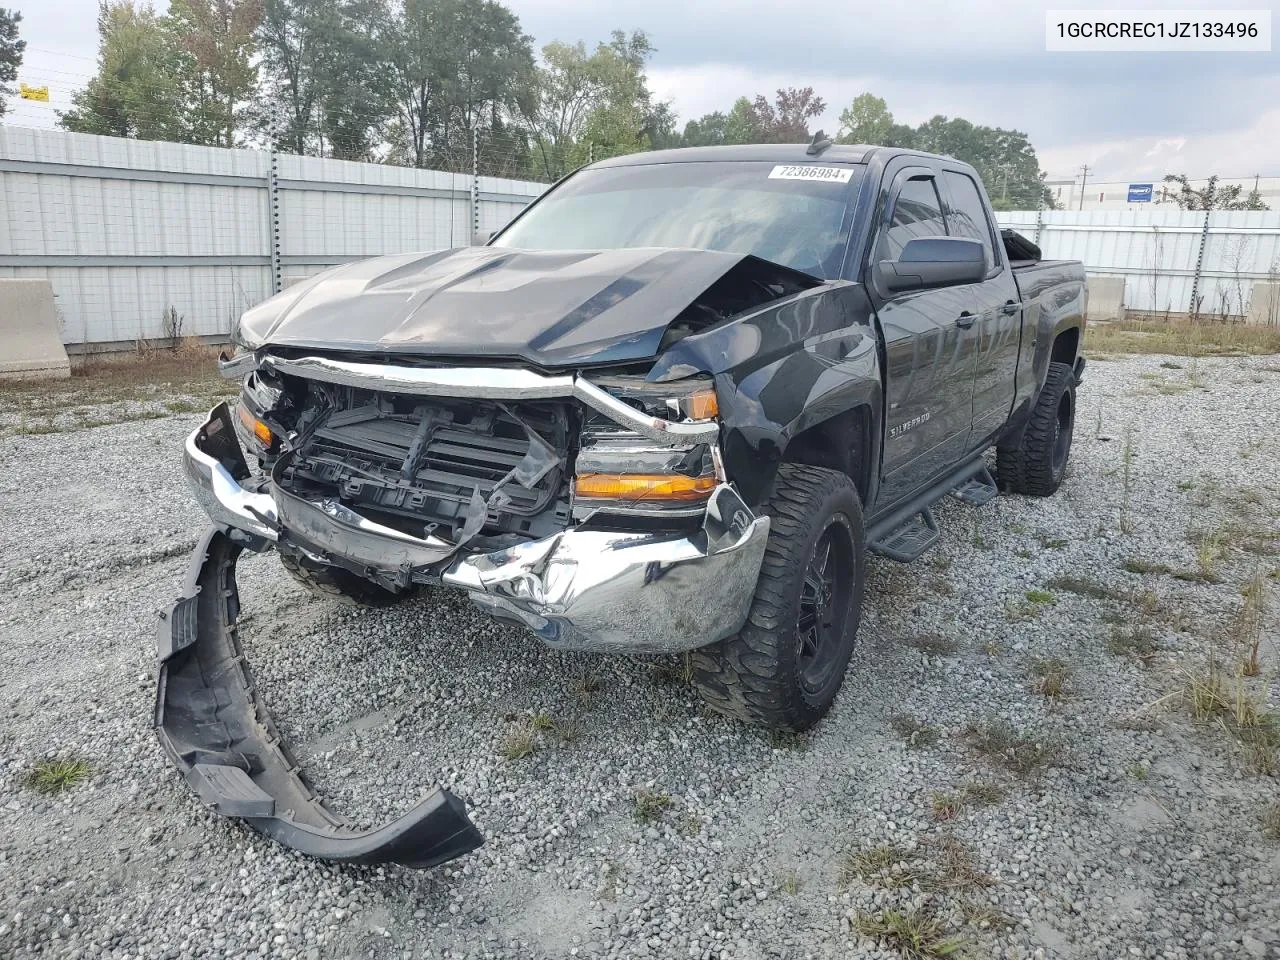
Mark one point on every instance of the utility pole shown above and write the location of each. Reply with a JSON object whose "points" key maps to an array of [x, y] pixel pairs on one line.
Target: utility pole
{"points": [[1084, 178]]}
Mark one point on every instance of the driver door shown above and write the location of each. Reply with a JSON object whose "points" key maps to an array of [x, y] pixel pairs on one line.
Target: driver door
{"points": [[930, 351]]}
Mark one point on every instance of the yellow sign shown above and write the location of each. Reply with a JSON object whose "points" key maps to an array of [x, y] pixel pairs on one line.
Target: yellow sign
{"points": [[33, 93]]}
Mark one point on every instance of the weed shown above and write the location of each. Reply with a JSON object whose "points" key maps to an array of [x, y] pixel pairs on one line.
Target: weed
{"points": [[1196, 338], [917, 933], [934, 644], [1170, 365], [915, 732], [945, 806], [1126, 473], [789, 883], [567, 730], [1084, 587], [1209, 550], [1137, 642], [588, 685], [518, 742], [542, 722], [992, 648], [1271, 820], [1019, 753], [672, 674], [985, 917], [57, 776], [1051, 677], [786, 740], [1041, 597], [884, 864], [1138, 771], [1052, 543], [1242, 715], [956, 867], [1185, 485], [690, 825], [1248, 624], [984, 794], [650, 805]]}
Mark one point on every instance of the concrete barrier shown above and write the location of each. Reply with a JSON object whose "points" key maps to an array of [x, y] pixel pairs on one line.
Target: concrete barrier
{"points": [[1104, 299], [30, 346], [1264, 303]]}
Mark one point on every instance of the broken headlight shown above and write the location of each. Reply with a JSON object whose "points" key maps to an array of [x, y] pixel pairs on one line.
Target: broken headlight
{"points": [[258, 400], [618, 471]]}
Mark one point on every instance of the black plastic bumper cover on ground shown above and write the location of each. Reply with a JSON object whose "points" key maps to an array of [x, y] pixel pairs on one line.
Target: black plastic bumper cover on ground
{"points": [[213, 726]]}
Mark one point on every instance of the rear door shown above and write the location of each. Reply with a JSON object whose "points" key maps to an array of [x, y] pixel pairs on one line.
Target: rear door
{"points": [[992, 307], [929, 358]]}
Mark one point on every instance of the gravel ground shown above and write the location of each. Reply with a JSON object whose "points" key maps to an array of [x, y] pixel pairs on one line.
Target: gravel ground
{"points": [[1107, 823]]}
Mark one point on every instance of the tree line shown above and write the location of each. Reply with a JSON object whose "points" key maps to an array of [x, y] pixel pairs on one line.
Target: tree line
{"points": [[421, 82]]}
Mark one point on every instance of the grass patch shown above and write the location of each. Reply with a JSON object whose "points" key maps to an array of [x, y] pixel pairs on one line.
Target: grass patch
{"points": [[1085, 587], [789, 883], [947, 805], [588, 687], [518, 742], [1041, 597], [914, 732], [1271, 820], [1020, 753], [1235, 710], [1248, 625], [1137, 642], [1051, 676], [885, 865], [650, 805], [916, 933], [57, 776], [934, 644], [1184, 339]]}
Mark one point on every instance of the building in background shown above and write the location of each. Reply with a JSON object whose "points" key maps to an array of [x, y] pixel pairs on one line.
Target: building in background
{"points": [[1116, 194]]}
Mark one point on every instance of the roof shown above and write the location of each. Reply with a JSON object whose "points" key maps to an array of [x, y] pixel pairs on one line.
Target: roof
{"points": [[775, 152]]}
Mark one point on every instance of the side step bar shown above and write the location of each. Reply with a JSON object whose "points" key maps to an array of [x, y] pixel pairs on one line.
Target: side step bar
{"points": [[215, 729], [906, 533]]}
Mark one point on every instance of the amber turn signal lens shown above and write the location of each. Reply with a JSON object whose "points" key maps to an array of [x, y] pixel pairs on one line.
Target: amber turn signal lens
{"points": [[255, 426], [702, 405], [644, 486]]}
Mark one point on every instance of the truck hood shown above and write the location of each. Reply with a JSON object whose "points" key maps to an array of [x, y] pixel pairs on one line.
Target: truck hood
{"points": [[550, 308]]}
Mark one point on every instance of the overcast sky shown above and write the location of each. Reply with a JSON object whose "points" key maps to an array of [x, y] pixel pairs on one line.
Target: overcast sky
{"points": [[1130, 116]]}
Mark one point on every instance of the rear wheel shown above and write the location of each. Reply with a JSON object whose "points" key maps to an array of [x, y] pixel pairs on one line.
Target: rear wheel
{"points": [[1038, 462], [336, 583], [786, 665]]}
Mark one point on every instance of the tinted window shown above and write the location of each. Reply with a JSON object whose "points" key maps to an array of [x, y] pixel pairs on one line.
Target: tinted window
{"points": [[967, 216], [916, 213], [737, 207]]}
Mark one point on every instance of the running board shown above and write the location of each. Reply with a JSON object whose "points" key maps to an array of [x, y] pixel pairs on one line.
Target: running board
{"points": [[910, 539], [215, 729], [979, 490], [906, 533]]}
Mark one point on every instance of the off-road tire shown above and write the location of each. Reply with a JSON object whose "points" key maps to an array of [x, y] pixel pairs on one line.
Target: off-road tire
{"points": [[1037, 463], [334, 583], [756, 675]]}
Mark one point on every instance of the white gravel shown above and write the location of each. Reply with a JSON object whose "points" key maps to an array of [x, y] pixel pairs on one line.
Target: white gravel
{"points": [[1144, 841]]}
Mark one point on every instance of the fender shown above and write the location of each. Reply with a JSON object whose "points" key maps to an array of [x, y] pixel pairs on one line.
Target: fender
{"points": [[781, 370]]}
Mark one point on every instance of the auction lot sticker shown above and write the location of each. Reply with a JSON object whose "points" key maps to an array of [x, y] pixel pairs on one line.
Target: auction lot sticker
{"points": [[810, 172]]}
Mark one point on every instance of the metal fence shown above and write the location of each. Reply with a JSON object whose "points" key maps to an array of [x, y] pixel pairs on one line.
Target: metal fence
{"points": [[1173, 262], [136, 236]]}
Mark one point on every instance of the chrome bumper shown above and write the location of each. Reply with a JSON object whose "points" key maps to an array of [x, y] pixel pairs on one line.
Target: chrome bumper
{"points": [[576, 590]]}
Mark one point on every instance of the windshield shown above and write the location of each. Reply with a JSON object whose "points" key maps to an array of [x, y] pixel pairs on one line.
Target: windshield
{"points": [[779, 212]]}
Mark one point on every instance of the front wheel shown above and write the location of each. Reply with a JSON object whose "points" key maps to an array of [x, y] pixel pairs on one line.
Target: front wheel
{"points": [[785, 667]]}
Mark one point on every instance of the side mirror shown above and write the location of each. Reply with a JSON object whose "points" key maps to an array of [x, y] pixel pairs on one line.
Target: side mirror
{"points": [[930, 262]]}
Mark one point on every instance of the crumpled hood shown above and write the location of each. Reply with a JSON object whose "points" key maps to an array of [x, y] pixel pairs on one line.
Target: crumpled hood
{"points": [[548, 307]]}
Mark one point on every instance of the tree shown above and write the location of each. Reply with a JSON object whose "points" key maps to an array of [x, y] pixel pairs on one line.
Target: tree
{"points": [[136, 91], [587, 106], [1004, 159], [786, 120], [868, 120], [707, 131], [11, 49], [218, 75], [1213, 197]]}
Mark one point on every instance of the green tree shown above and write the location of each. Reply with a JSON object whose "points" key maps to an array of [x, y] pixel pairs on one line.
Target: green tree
{"points": [[786, 120], [1004, 159], [707, 131], [11, 48], [587, 106], [294, 37], [136, 91], [1213, 197], [868, 120], [742, 125], [217, 75]]}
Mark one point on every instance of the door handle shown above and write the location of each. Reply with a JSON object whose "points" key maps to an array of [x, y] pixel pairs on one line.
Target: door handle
{"points": [[1010, 307], [966, 320]]}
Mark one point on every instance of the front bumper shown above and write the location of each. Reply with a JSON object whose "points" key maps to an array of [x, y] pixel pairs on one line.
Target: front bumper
{"points": [[589, 590]]}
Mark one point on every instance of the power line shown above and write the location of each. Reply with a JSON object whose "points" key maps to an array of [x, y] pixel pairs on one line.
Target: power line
{"points": [[1084, 178]]}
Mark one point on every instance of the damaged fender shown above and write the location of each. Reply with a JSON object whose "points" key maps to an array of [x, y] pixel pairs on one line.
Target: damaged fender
{"points": [[215, 729]]}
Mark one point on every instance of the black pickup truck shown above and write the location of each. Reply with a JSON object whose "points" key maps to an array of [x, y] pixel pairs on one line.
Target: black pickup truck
{"points": [[670, 407]]}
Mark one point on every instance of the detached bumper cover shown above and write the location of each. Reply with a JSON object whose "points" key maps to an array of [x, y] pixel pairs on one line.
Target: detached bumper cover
{"points": [[215, 729]]}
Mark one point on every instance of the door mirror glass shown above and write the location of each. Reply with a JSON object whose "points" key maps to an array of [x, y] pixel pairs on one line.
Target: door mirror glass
{"points": [[930, 262]]}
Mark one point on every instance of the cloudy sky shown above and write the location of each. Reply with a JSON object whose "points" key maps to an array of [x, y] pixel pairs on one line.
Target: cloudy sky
{"points": [[1127, 115]]}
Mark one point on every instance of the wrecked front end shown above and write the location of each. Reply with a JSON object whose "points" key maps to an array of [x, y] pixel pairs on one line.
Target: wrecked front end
{"points": [[592, 510]]}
